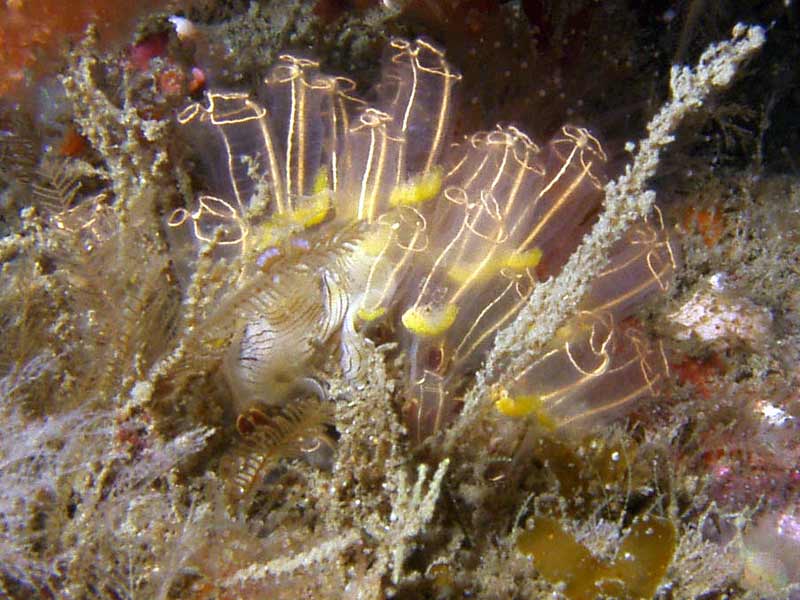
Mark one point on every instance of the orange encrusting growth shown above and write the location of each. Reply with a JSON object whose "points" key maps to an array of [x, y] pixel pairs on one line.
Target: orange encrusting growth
{"points": [[706, 222], [702, 373], [73, 143], [34, 35]]}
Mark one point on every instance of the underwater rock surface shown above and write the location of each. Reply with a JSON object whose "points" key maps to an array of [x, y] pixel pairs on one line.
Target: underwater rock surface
{"points": [[271, 330]]}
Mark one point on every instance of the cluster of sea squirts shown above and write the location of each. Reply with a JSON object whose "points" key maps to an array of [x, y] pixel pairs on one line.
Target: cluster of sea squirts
{"points": [[348, 214]]}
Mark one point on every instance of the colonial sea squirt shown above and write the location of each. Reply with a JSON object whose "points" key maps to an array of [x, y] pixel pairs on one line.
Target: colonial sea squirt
{"points": [[346, 214]]}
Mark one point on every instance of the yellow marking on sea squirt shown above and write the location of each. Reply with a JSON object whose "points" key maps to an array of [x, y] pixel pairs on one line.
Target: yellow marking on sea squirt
{"points": [[430, 321]]}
